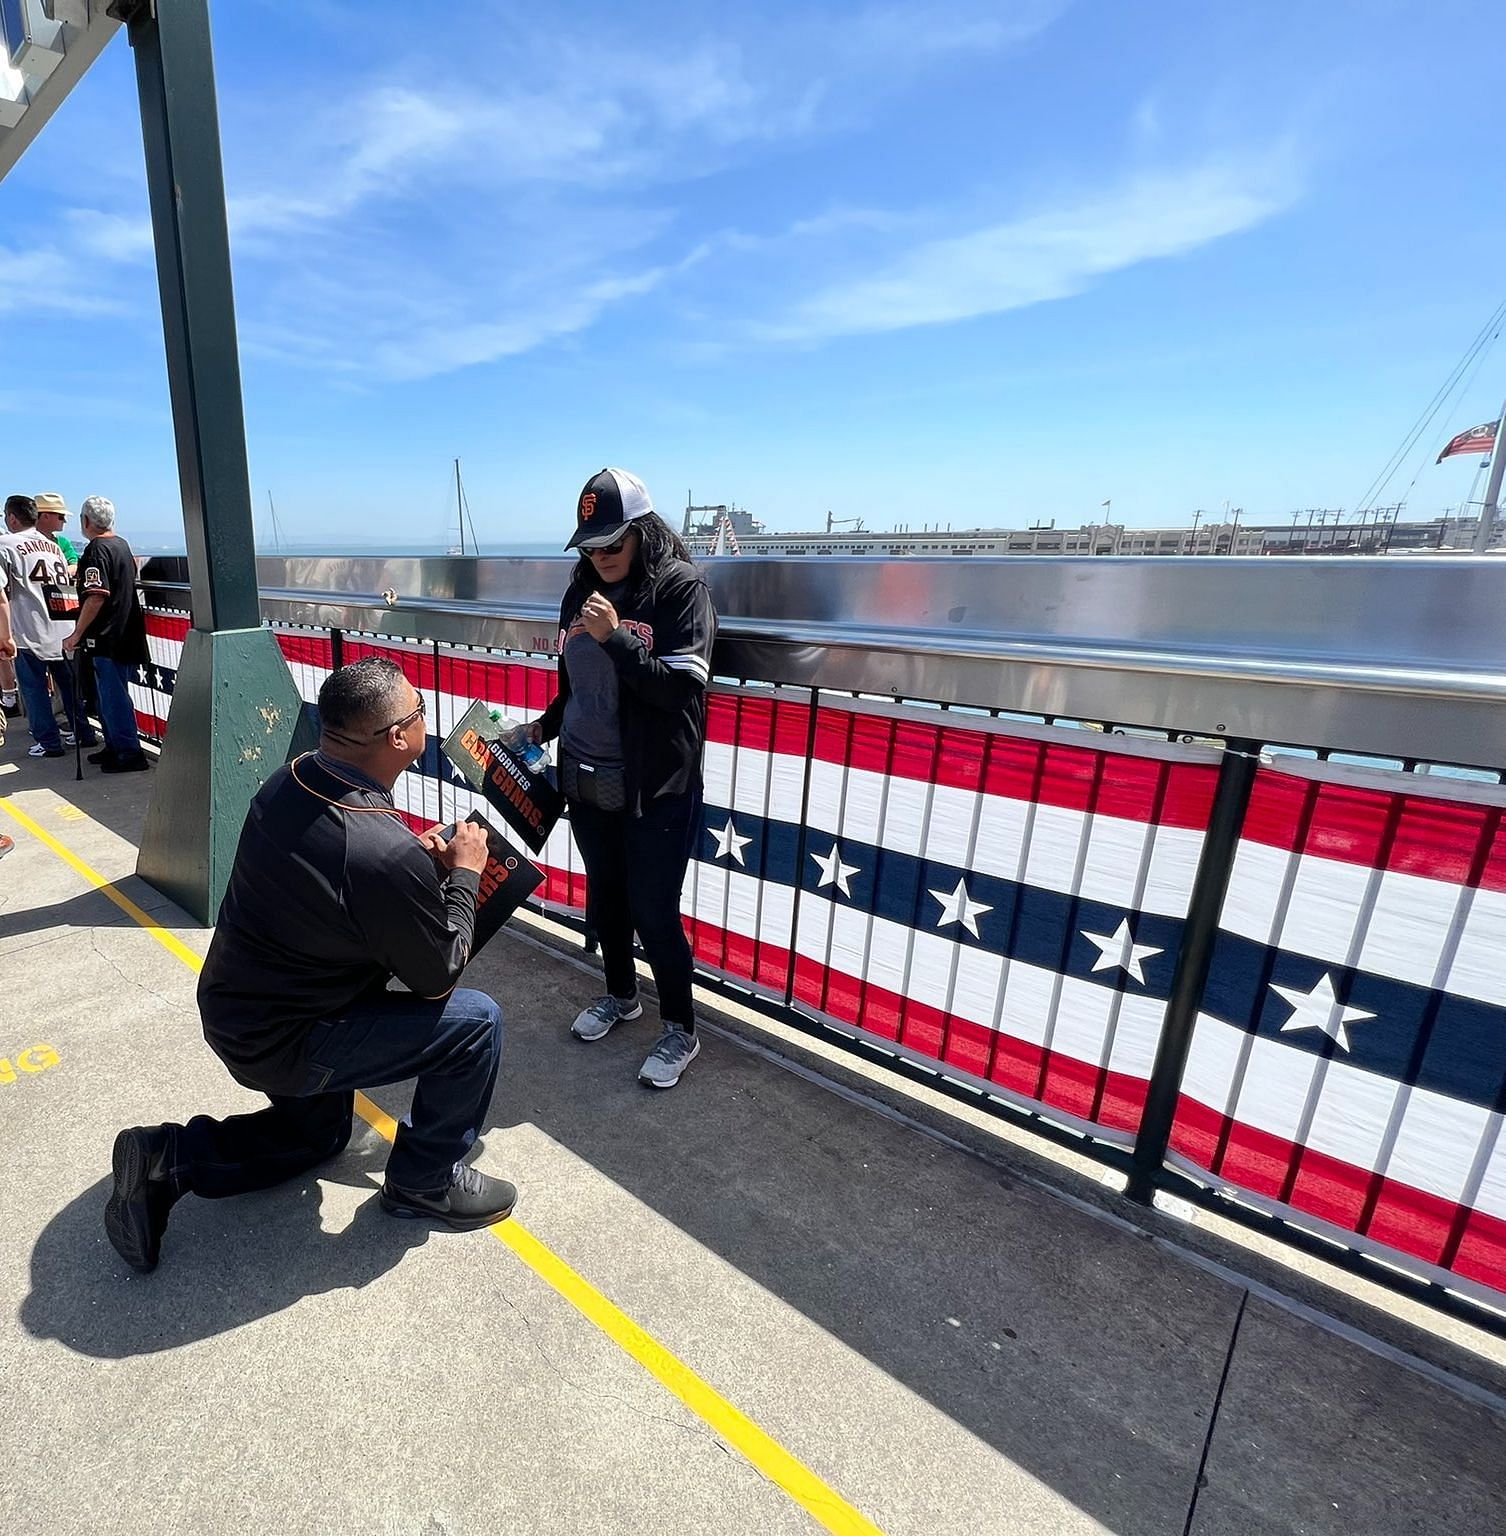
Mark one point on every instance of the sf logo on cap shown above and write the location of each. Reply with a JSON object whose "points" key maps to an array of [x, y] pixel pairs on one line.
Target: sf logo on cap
{"points": [[588, 505]]}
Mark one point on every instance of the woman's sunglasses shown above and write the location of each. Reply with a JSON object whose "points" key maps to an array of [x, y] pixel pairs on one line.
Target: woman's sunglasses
{"points": [[610, 549]]}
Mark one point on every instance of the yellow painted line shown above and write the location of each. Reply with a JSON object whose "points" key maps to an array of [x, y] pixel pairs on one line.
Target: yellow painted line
{"points": [[173, 945], [827, 1507]]}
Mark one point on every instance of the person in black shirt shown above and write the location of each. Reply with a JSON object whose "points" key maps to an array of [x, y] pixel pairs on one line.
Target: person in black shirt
{"points": [[636, 631], [112, 630], [331, 895]]}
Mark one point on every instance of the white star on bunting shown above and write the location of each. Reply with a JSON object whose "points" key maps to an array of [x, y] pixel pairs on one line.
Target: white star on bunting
{"points": [[1321, 1009], [958, 907], [729, 845], [1119, 950], [834, 871]]}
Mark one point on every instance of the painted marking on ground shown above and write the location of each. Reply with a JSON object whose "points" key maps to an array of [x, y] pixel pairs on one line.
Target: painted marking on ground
{"points": [[827, 1507], [68, 812], [36, 1058], [169, 942]]}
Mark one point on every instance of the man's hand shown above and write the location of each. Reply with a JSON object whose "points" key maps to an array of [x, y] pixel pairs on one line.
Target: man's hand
{"points": [[432, 842], [70, 643], [466, 850], [534, 731], [7, 649], [599, 617]]}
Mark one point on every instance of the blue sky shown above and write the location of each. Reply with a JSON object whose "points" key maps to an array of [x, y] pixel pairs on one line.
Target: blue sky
{"points": [[956, 262]]}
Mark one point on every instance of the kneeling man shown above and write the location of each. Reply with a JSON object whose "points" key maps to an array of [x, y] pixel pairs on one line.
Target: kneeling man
{"points": [[331, 896]]}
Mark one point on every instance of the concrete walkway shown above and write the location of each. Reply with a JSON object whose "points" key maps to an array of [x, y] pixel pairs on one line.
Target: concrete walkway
{"points": [[935, 1338]]}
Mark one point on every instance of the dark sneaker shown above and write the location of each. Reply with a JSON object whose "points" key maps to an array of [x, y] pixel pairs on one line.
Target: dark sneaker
{"points": [[134, 763], [593, 1022], [103, 755], [669, 1058], [136, 1212], [473, 1199]]}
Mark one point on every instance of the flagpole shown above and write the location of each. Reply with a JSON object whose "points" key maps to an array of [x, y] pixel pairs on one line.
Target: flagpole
{"points": [[1492, 486]]}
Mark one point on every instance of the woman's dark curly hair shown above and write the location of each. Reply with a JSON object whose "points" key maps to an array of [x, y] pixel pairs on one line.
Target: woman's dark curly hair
{"points": [[657, 542]]}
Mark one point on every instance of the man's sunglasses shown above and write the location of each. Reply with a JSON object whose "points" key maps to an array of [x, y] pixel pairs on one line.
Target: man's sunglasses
{"points": [[407, 719]]}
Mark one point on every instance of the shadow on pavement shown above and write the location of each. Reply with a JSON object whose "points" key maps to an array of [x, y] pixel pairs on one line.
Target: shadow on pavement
{"points": [[224, 1263]]}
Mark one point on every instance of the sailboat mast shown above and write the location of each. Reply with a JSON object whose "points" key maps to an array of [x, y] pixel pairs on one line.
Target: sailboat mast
{"points": [[459, 506]]}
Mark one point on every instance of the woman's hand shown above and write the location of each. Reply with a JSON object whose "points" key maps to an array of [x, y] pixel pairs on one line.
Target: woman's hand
{"points": [[599, 617]]}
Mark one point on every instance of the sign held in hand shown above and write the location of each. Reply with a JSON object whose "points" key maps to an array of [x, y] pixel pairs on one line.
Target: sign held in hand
{"points": [[527, 800]]}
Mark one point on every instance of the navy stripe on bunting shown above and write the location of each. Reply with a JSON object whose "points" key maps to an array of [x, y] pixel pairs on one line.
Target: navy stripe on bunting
{"points": [[1037, 926]]}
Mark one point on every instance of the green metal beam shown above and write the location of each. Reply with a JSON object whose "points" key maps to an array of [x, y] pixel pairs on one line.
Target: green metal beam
{"points": [[234, 704]]}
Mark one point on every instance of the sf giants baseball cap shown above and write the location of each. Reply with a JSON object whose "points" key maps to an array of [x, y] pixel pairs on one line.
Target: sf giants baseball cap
{"points": [[608, 502]]}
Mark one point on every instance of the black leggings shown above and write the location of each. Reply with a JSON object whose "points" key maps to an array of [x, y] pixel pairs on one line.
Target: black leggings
{"points": [[635, 866]]}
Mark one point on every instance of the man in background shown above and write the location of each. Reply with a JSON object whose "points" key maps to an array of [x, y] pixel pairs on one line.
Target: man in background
{"points": [[52, 514], [112, 629], [35, 599]]}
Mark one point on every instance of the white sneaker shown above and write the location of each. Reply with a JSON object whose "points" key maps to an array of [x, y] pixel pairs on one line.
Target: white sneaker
{"points": [[36, 749], [669, 1058], [7, 701], [594, 1022], [69, 739]]}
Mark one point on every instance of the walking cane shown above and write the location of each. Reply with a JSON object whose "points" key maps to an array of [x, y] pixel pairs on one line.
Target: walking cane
{"points": [[78, 720]]}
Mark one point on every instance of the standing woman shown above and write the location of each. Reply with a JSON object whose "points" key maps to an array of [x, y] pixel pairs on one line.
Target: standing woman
{"points": [[636, 630]]}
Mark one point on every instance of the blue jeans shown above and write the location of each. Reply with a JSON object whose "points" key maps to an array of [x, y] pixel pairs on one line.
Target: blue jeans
{"points": [[452, 1045], [116, 712], [31, 676]]}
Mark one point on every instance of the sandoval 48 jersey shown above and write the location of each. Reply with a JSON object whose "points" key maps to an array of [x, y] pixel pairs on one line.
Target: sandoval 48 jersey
{"points": [[43, 602]]}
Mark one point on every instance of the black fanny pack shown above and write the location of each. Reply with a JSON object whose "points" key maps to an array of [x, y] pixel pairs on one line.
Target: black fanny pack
{"points": [[603, 787]]}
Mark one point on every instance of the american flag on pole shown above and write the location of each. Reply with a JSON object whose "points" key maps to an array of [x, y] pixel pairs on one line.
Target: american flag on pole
{"points": [[1481, 439]]}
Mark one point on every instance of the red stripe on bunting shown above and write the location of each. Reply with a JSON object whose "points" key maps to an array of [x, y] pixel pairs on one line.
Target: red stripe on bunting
{"points": [[307, 650], [153, 727], [416, 665], [1072, 777], [1451, 840], [1409, 1220], [769, 724], [168, 626], [739, 954], [1082, 1089], [509, 686]]}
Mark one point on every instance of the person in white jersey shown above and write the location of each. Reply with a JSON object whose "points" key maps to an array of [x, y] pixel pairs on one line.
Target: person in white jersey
{"points": [[37, 608]]}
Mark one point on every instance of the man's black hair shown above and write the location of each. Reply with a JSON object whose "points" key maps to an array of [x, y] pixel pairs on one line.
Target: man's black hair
{"points": [[23, 507], [360, 699]]}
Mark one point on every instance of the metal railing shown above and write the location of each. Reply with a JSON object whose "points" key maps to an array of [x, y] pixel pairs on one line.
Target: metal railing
{"points": [[1133, 850]]}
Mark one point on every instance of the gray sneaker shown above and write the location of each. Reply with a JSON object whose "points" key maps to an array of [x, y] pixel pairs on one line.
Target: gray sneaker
{"points": [[675, 1051], [593, 1022]]}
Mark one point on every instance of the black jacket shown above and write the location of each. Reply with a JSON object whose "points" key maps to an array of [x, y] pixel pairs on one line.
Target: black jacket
{"points": [[662, 652], [330, 896]]}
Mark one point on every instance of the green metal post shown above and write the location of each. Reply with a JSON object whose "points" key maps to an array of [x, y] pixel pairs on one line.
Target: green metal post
{"points": [[234, 703]]}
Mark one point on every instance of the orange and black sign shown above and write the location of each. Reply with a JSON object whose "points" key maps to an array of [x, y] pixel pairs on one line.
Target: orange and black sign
{"points": [[528, 801]]}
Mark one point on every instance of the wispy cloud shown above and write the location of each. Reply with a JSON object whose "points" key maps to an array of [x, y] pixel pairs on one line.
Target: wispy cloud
{"points": [[401, 228], [1047, 254], [50, 279]]}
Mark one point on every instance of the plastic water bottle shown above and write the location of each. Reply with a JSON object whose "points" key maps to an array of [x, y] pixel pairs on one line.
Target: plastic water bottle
{"points": [[513, 735]]}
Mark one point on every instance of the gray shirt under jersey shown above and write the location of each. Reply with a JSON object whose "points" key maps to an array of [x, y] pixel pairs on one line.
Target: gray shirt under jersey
{"points": [[590, 732]]}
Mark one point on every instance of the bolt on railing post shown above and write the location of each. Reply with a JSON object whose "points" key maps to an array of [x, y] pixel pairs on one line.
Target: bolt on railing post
{"points": [[1236, 780]]}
